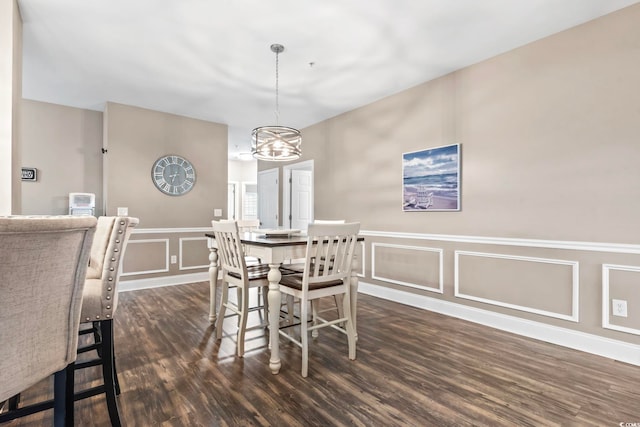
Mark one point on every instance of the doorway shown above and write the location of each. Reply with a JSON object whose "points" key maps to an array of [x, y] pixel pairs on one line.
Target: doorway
{"points": [[268, 189], [297, 189]]}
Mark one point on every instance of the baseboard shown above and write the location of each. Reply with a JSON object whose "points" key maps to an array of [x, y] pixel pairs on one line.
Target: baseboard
{"points": [[606, 347], [601, 346], [158, 282]]}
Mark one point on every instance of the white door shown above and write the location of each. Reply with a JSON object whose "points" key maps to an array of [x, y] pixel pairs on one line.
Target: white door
{"points": [[268, 198], [301, 198]]}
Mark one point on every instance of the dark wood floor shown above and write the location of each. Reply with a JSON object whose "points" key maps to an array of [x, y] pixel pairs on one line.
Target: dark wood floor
{"points": [[414, 368]]}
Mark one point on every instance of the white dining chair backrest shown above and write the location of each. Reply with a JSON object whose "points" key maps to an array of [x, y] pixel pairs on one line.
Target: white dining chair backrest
{"points": [[245, 225], [229, 248], [329, 221], [334, 242]]}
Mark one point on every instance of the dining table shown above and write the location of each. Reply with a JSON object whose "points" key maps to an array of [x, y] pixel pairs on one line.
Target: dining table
{"points": [[272, 250]]}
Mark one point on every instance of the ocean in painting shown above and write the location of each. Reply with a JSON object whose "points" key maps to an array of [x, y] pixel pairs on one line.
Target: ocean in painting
{"points": [[431, 192], [431, 180]]}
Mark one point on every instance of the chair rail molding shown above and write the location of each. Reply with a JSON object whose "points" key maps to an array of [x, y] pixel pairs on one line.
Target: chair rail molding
{"points": [[510, 241], [173, 230]]}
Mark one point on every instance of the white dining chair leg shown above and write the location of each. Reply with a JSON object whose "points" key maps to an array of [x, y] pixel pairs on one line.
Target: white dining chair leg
{"points": [[223, 308], [314, 316], [290, 308], [264, 290], [304, 335], [243, 304], [238, 299], [349, 327]]}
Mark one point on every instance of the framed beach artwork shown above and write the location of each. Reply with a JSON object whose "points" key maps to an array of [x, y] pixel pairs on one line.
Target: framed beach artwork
{"points": [[431, 179]]}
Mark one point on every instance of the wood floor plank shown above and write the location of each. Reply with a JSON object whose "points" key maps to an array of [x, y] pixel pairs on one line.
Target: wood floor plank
{"points": [[413, 368]]}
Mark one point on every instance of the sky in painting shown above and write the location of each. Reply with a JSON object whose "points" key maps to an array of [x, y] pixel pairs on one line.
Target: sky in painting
{"points": [[435, 161]]}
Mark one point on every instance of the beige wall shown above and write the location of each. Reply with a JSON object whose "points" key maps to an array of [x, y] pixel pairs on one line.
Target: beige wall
{"points": [[135, 138], [64, 144], [549, 152], [10, 97]]}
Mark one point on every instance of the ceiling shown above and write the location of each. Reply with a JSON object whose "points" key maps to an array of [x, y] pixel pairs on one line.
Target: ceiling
{"points": [[210, 59]]}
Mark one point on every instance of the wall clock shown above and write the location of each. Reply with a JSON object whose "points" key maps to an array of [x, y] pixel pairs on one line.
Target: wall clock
{"points": [[173, 175]]}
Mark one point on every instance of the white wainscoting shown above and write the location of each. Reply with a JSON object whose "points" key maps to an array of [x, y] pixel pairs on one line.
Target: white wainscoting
{"points": [[575, 285], [613, 349], [376, 276], [606, 306], [180, 257], [159, 270]]}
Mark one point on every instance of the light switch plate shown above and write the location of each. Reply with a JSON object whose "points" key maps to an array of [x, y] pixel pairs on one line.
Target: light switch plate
{"points": [[217, 212], [123, 211]]}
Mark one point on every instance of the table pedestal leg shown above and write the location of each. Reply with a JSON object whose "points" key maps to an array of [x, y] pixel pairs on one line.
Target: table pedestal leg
{"points": [[274, 317], [213, 281]]}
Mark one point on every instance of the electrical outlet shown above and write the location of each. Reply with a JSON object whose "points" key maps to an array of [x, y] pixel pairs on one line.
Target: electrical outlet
{"points": [[123, 211], [217, 212], [174, 259], [619, 307]]}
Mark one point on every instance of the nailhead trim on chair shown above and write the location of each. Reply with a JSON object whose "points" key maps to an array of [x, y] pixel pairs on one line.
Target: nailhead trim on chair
{"points": [[114, 259]]}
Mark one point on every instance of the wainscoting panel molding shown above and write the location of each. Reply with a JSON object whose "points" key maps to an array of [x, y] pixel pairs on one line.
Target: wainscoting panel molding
{"points": [[495, 275], [181, 251], [438, 266], [163, 266], [606, 295]]}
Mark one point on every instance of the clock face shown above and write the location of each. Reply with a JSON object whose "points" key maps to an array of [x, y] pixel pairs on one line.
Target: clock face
{"points": [[173, 175]]}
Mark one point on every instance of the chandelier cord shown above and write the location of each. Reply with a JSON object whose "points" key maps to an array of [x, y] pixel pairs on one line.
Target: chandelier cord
{"points": [[276, 143], [277, 103]]}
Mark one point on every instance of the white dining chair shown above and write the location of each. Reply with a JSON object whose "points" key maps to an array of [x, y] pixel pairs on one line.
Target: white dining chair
{"points": [[334, 242], [236, 273], [297, 266]]}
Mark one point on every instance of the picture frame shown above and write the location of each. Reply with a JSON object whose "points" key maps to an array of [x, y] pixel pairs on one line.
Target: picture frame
{"points": [[29, 174], [431, 179]]}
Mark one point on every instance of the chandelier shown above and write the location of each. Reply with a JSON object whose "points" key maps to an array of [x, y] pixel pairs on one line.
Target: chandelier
{"points": [[276, 143]]}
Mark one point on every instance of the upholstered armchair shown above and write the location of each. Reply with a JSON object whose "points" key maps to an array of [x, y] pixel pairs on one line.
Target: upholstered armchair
{"points": [[99, 303], [43, 261]]}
